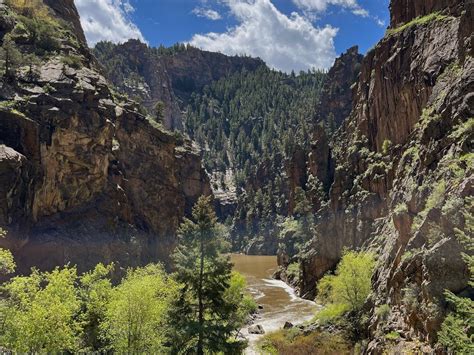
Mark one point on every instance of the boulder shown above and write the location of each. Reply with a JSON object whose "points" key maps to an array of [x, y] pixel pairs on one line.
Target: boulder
{"points": [[256, 329]]}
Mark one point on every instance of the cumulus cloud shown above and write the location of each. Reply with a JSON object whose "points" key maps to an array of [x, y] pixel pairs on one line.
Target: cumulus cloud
{"points": [[207, 13], [107, 20], [322, 5], [285, 43]]}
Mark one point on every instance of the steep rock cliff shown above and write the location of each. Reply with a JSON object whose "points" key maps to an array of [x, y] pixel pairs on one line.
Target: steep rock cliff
{"points": [[404, 171], [86, 177]]}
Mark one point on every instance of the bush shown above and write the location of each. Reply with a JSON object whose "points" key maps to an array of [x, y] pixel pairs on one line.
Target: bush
{"points": [[43, 34], [383, 311], [350, 285], [293, 270], [387, 144], [392, 336], [73, 61], [289, 342], [30, 8]]}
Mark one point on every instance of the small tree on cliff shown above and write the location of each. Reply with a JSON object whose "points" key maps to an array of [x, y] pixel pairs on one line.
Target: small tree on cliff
{"points": [[159, 112], [202, 314], [10, 58]]}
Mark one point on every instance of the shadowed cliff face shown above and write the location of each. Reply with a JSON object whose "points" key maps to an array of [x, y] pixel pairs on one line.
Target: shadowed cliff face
{"points": [[403, 178], [85, 177]]}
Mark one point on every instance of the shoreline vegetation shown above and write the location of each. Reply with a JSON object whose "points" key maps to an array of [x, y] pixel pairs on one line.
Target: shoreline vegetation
{"points": [[199, 308]]}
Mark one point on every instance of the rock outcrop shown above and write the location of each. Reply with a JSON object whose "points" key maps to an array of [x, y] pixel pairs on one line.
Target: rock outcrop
{"points": [[86, 178], [336, 98], [403, 174]]}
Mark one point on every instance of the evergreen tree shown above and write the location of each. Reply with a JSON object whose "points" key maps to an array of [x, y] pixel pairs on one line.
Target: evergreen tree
{"points": [[10, 57], [202, 315], [160, 112]]}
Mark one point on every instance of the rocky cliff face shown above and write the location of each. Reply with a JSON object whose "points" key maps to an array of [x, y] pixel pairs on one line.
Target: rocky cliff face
{"points": [[170, 75], [85, 177], [403, 179]]}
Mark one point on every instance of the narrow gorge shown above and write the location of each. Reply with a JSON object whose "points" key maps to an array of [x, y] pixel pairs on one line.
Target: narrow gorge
{"points": [[104, 151]]}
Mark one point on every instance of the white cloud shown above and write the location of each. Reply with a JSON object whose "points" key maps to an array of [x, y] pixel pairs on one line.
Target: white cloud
{"points": [[322, 5], [361, 12], [107, 20], [380, 22], [285, 43], [207, 13]]}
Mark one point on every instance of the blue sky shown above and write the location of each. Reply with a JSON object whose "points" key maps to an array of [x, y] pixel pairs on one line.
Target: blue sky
{"points": [[287, 34]]}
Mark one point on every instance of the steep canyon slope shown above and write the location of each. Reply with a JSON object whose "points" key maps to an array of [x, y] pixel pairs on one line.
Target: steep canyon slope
{"points": [[166, 75], [84, 176], [403, 179]]}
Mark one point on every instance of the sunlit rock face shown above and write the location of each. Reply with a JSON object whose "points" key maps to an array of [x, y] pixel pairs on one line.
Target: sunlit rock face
{"points": [[85, 178], [403, 161]]}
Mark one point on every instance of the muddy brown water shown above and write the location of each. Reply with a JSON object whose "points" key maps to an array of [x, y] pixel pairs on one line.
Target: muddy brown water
{"points": [[280, 304]]}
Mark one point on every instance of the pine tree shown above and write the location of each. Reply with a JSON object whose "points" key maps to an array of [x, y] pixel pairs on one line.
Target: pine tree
{"points": [[202, 317], [159, 112], [10, 57]]}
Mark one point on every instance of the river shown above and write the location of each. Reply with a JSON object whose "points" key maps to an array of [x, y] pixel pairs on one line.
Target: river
{"points": [[280, 304]]}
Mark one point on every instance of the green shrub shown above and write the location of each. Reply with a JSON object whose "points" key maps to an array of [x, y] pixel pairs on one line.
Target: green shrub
{"points": [[387, 144], [392, 336], [293, 270], [73, 61], [332, 312], [350, 285], [435, 199], [383, 311], [401, 208], [290, 342]]}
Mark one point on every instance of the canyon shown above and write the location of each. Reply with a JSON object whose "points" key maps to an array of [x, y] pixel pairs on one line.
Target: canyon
{"points": [[87, 176]]}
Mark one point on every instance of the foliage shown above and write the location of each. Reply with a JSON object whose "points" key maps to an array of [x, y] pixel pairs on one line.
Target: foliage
{"points": [[43, 34], [350, 285], [40, 313], [73, 61], [293, 270], [251, 123], [7, 263], [29, 8], [94, 292], [421, 20], [386, 146], [159, 111], [10, 57], [392, 336], [332, 313], [297, 230], [457, 330], [135, 317], [383, 311], [204, 314], [289, 342], [435, 199], [236, 295]]}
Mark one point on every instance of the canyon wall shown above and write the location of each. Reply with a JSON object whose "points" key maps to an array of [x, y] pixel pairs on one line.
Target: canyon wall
{"points": [[169, 75], [85, 177], [403, 178]]}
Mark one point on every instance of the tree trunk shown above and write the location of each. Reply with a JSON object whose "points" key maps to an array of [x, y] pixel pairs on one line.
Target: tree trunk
{"points": [[200, 346]]}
